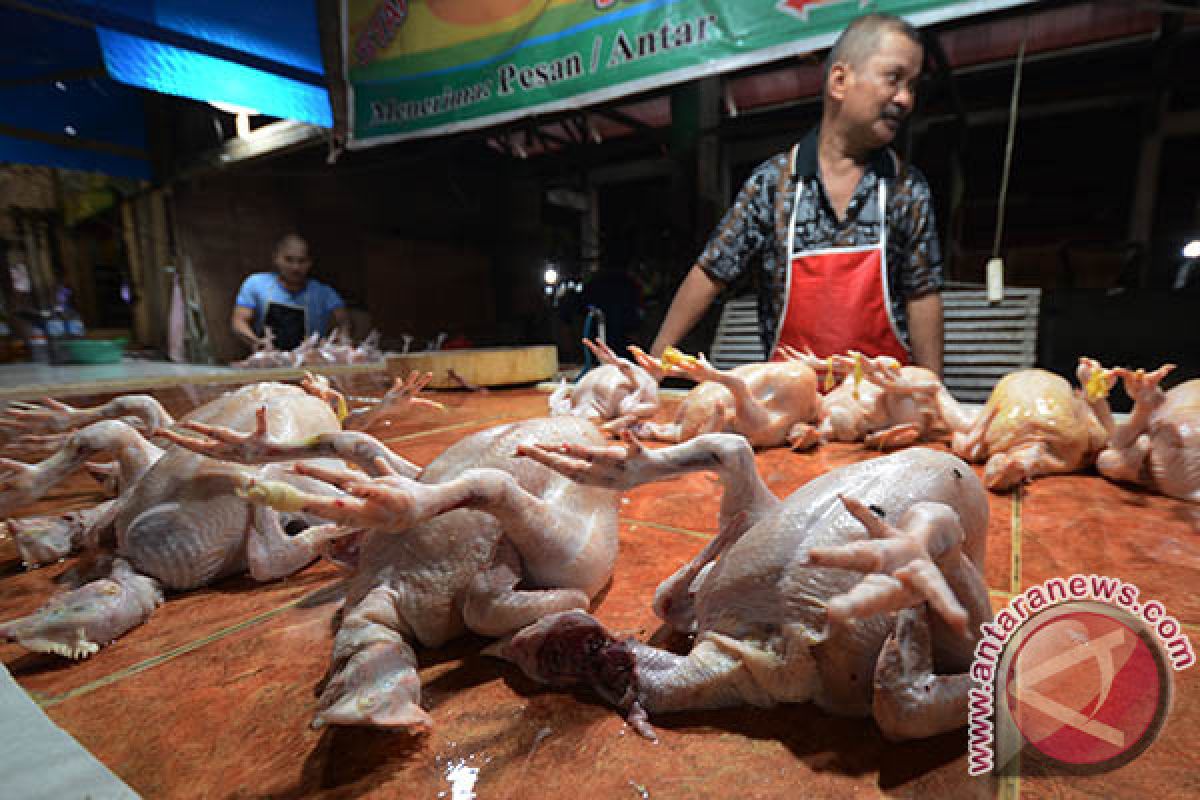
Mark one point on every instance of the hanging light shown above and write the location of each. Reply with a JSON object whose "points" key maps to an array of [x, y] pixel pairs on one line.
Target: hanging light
{"points": [[1192, 249], [550, 276]]}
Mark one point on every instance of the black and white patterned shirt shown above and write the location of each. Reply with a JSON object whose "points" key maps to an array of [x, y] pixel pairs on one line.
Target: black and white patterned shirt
{"points": [[756, 226]]}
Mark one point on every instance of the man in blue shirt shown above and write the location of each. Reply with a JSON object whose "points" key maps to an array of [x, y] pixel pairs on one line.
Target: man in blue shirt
{"points": [[287, 301]]}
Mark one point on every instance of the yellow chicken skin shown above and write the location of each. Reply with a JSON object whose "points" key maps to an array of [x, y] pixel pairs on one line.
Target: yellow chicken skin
{"points": [[770, 404], [1159, 445], [1033, 424], [878, 402]]}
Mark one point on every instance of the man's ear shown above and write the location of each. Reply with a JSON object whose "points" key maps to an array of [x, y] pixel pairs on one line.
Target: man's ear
{"points": [[839, 75]]}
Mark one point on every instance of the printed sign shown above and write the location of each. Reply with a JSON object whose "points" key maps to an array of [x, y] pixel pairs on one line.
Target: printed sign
{"points": [[426, 67]]}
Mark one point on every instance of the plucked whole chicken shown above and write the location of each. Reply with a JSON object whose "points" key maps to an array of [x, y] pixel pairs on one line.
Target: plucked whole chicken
{"points": [[1034, 424], [861, 592], [180, 520], [482, 540], [617, 393], [770, 404]]}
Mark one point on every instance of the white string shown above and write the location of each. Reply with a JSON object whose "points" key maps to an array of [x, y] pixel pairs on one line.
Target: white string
{"points": [[1008, 146]]}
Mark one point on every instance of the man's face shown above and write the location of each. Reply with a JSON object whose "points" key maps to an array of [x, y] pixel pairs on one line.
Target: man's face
{"points": [[293, 263], [882, 91]]}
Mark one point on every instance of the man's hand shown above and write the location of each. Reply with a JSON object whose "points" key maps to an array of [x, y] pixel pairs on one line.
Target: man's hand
{"points": [[241, 323], [340, 321]]}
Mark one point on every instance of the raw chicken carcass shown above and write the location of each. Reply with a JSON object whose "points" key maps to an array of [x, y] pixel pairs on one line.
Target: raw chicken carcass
{"points": [[179, 522], [337, 348], [46, 425], [770, 404], [1034, 424], [365, 352], [618, 393], [1159, 445], [482, 541], [878, 402], [861, 592], [314, 351], [266, 355], [25, 420]]}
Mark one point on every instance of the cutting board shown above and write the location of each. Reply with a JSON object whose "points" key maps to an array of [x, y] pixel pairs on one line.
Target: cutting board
{"points": [[485, 366]]}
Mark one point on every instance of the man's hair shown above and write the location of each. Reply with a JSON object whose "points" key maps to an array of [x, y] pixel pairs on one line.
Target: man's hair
{"points": [[287, 238], [862, 37]]}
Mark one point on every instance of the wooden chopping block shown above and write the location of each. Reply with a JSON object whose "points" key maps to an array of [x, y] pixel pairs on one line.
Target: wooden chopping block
{"points": [[485, 366]]}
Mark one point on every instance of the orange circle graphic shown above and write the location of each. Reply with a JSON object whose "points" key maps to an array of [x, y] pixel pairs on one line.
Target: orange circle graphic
{"points": [[475, 12]]}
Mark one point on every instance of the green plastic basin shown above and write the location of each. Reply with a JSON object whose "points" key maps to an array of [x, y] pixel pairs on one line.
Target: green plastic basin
{"points": [[94, 351]]}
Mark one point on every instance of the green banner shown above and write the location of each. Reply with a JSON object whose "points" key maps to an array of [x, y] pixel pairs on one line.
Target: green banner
{"points": [[427, 67]]}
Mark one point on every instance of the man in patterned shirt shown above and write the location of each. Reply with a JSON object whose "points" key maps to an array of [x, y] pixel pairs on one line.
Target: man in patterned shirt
{"points": [[832, 275]]}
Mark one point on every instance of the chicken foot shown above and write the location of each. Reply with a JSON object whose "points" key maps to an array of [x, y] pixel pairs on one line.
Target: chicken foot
{"points": [[21, 483], [256, 447]]}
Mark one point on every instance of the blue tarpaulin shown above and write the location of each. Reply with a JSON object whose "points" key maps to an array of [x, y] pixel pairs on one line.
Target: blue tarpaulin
{"points": [[274, 48], [58, 108], [68, 68]]}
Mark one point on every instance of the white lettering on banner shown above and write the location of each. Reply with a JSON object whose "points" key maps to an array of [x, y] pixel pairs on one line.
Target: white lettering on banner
{"points": [[669, 36], [392, 110], [536, 76], [512, 78]]}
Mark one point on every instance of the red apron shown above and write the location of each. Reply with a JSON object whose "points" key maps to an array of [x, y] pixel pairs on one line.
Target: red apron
{"points": [[837, 298]]}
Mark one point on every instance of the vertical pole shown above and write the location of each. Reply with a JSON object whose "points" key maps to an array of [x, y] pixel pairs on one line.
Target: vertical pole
{"points": [[696, 159], [133, 252], [158, 284], [1141, 215]]}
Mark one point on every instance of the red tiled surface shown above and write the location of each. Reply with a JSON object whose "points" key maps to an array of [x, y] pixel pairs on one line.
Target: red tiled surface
{"points": [[1084, 524], [257, 684], [998, 567], [479, 408], [226, 714], [184, 618]]}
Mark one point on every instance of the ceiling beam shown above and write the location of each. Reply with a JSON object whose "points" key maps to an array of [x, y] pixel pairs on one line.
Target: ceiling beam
{"points": [[64, 76], [73, 142], [576, 125], [997, 116], [329, 28], [553, 137], [618, 116]]}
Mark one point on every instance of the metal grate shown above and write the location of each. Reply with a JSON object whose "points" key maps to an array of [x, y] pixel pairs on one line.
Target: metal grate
{"points": [[983, 342], [737, 340]]}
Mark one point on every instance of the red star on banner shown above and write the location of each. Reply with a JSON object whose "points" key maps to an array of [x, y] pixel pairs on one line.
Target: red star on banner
{"points": [[799, 8]]}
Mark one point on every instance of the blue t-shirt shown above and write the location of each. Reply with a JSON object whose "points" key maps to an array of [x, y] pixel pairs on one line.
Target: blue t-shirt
{"points": [[317, 300]]}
